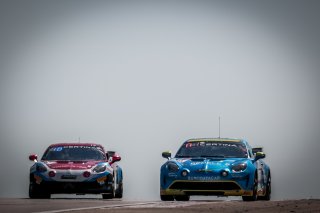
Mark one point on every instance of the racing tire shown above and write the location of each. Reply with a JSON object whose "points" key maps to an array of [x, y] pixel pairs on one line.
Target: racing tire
{"points": [[167, 198], [254, 191], [107, 196], [112, 194], [35, 192], [182, 198], [119, 191], [267, 196]]}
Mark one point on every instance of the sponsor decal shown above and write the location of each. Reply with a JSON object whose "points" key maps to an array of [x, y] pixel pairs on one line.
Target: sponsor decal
{"points": [[206, 178], [182, 160], [196, 163], [172, 174], [38, 179], [188, 145], [237, 175], [202, 143], [208, 162], [102, 180], [56, 149]]}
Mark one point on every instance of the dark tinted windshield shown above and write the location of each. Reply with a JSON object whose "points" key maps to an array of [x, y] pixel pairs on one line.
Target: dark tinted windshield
{"points": [[213, 149], [74, 153]]}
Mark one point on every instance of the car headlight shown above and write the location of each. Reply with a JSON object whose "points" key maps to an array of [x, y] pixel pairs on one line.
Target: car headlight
{"points": [[239, 167], [172, 167], [100, 168], [40, 168]]}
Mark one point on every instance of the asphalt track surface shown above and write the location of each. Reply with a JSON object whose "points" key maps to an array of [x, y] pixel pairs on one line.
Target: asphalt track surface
{"points": [[78, 205], [57, 205]]}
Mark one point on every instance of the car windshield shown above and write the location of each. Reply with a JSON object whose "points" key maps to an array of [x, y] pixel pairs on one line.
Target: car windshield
{"points": [[221, 149], [74, 153]]}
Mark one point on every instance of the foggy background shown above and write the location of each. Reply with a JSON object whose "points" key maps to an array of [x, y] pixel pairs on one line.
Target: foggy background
{"points": [[141, 77]]}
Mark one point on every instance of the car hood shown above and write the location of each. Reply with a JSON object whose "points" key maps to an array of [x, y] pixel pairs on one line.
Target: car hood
{"points": [[73, 165], [197, 164]]}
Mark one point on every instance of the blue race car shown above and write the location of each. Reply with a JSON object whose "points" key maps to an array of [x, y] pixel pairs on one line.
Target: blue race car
{"points": [[215, 166], [76, 168]]}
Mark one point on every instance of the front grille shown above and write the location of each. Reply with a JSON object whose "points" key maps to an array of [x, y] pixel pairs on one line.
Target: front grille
{"points": [[74, 187], [198, 185], [216, 193], [77, 187], [69, 177]]}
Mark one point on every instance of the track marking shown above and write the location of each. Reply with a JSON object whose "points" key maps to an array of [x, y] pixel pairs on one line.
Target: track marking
{"points": [[100, 207], [154, 204]]}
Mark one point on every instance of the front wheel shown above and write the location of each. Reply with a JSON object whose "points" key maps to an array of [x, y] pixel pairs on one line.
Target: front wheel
{"points": [[112, 193], [182, 198], [107, 196], [35, 192], [254, 191], [167, 198], [119, 191], [267, 196]]}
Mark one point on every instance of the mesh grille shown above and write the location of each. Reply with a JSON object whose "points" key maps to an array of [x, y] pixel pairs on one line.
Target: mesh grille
{"points": [[205, 186]]}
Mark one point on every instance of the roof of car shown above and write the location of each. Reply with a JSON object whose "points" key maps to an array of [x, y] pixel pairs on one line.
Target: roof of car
{"points": [[215, 140], [75, 144]]}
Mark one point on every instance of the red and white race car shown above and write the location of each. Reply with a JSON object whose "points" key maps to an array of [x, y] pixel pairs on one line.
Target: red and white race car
{"points": [[76, 168]]}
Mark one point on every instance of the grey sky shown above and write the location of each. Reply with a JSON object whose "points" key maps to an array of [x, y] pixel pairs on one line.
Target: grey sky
{"points": [[141, 77]]}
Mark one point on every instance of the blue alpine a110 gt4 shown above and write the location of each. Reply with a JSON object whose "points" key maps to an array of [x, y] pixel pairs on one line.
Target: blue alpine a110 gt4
{"points": [[215, 166]]}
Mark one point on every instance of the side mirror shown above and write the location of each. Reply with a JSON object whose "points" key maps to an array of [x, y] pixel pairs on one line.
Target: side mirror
{"points": [[166, 154], [33, 157], [259, 155], [110, 154], [257, 149], [115, 158]]}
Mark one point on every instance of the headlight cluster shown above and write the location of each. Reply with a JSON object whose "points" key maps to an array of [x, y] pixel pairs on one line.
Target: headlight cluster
{"points": [[239, 167], [100, 168], [172, 167], [40, 168]]}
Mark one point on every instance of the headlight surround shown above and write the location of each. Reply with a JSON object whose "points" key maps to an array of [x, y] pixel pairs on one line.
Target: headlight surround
{"points": [[172, 167], [40, 168], [239, 167], [100, 168]]}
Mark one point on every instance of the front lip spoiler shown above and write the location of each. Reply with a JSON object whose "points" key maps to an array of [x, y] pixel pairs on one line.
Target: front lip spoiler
{"points": [[175, 192], [219, 192], [201, 181]]}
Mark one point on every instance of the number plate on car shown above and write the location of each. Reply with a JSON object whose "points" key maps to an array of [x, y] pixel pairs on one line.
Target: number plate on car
{"points": [[68, 177]]}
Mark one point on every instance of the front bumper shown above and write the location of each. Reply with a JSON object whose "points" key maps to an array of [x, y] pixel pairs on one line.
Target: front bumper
{"points": [[101, 184], [219, 188], [55, 187]]}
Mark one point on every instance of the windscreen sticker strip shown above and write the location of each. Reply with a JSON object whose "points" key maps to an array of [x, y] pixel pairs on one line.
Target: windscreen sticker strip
{"points": [[195, 144]]}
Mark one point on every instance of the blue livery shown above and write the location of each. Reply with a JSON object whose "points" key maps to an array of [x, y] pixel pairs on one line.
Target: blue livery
{"points": [[215, 166]]}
